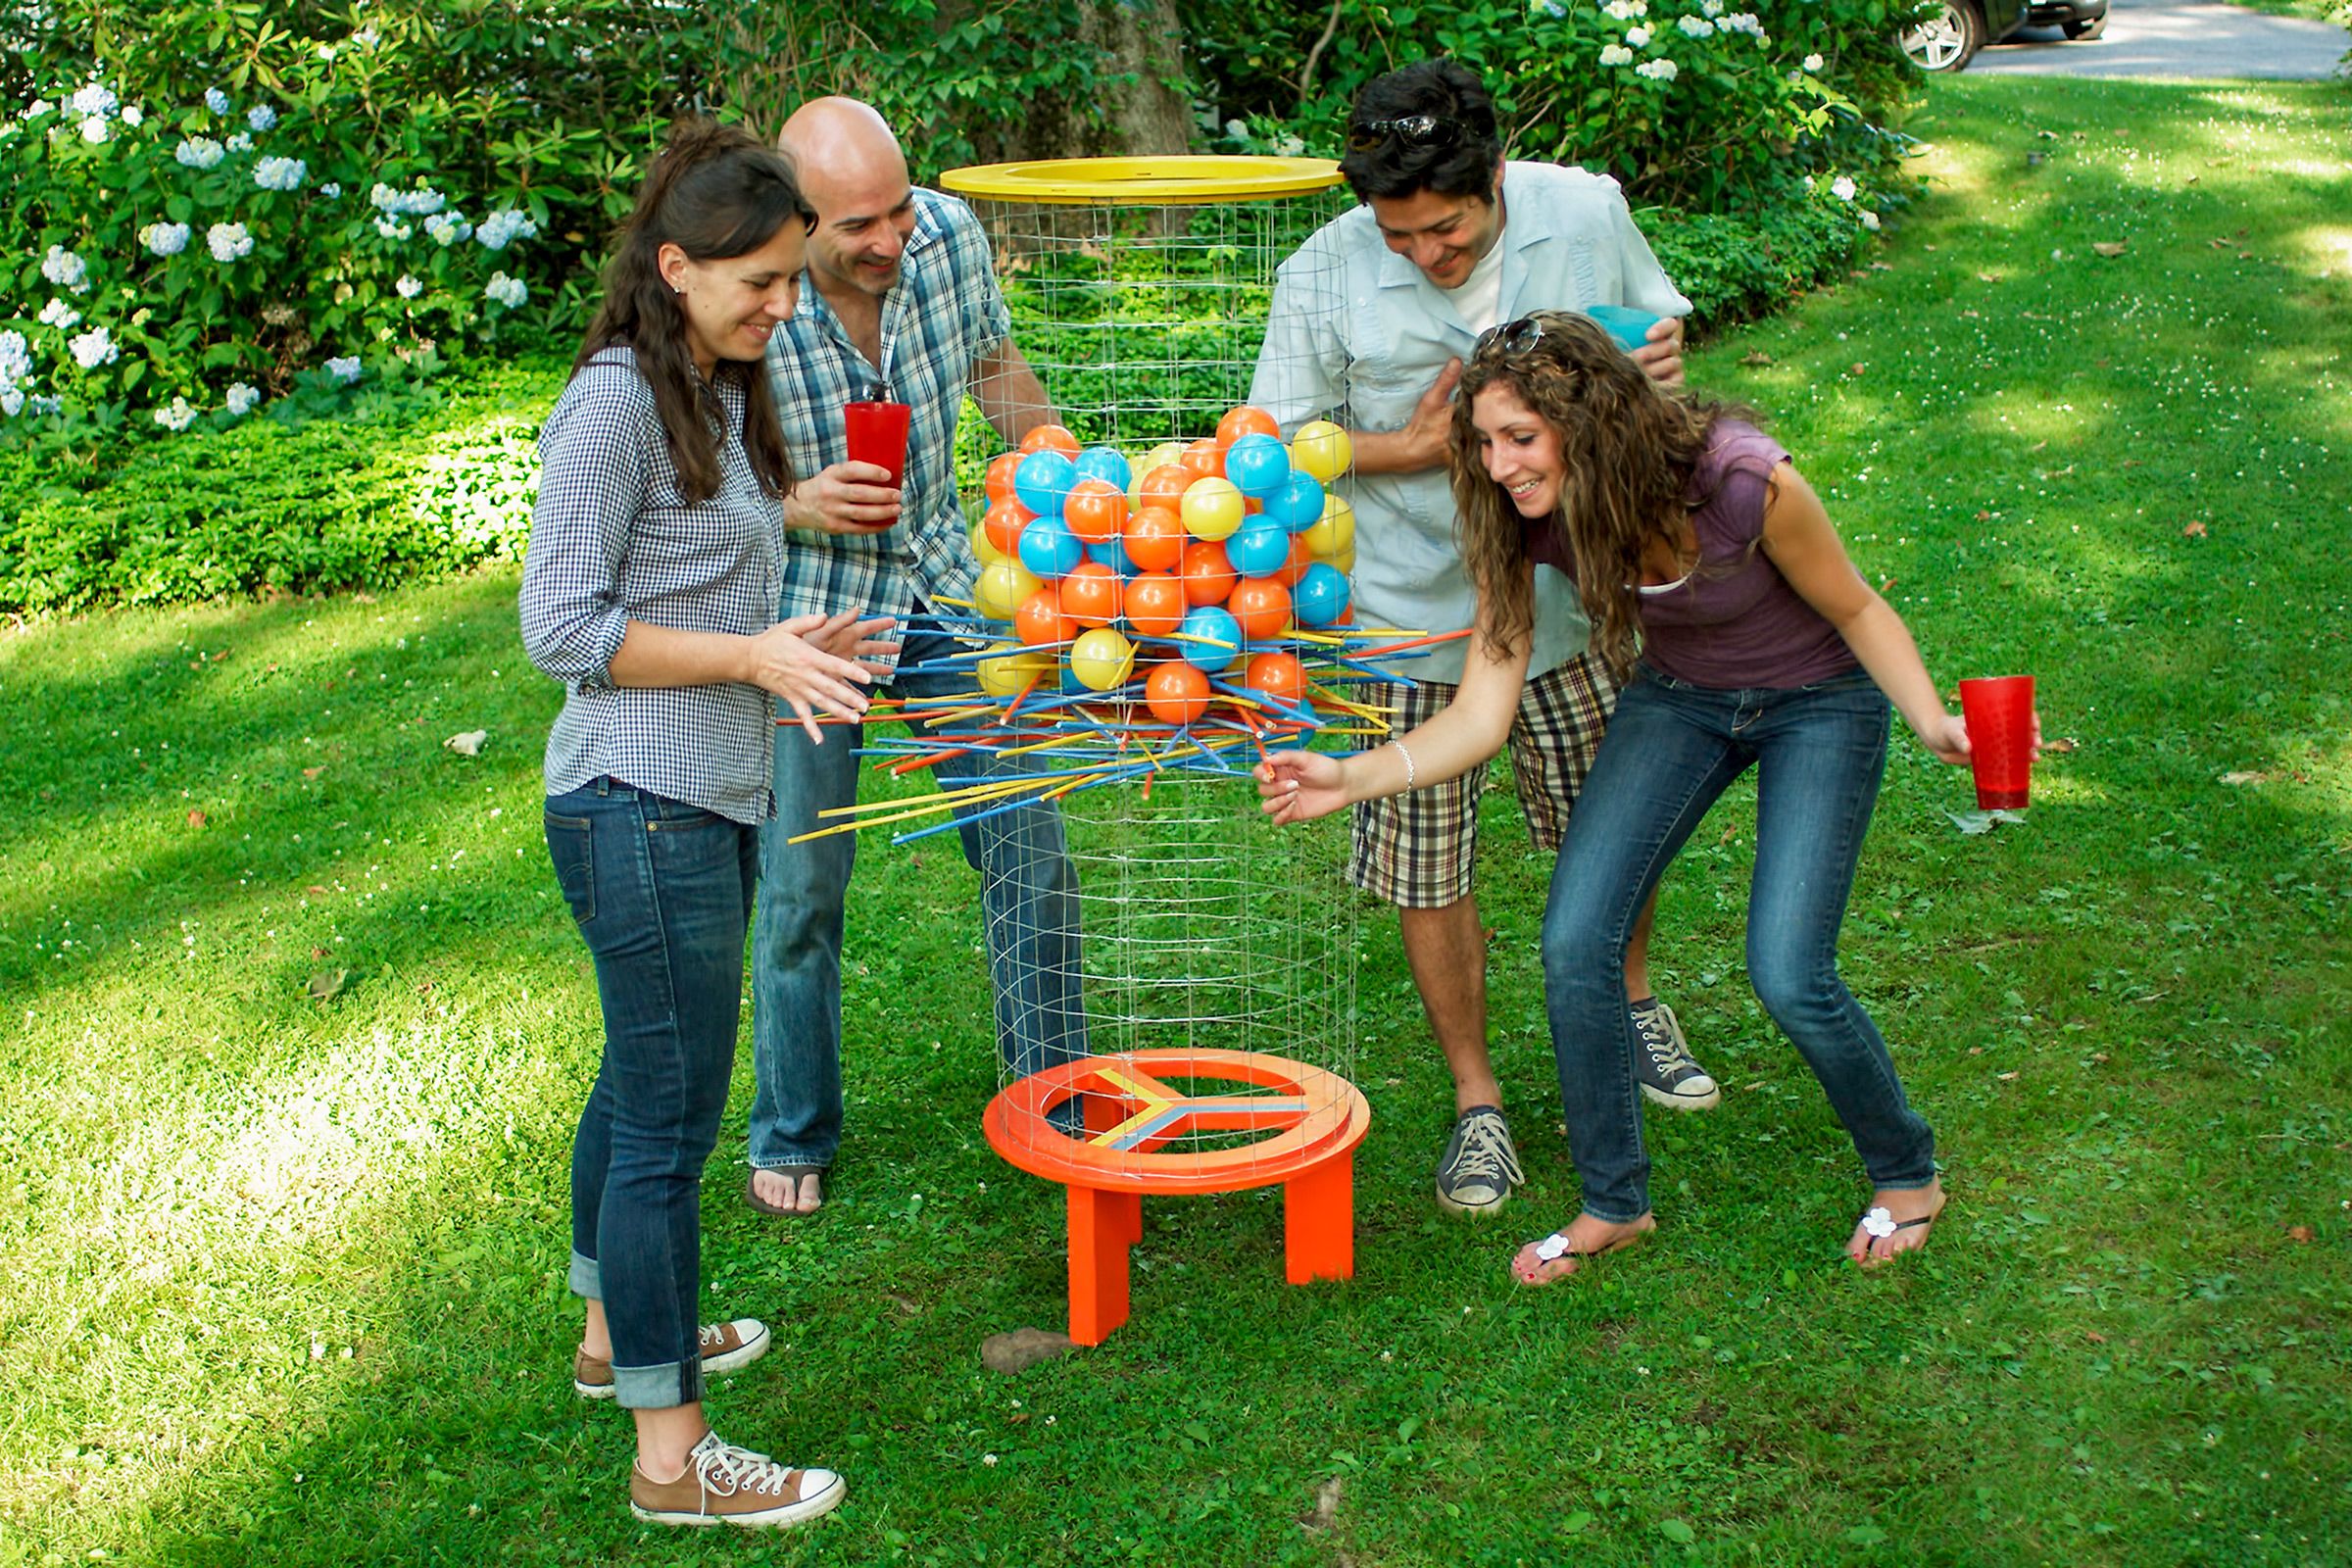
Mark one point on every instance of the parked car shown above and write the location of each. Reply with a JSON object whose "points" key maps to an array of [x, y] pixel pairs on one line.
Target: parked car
{"points": [[1948, 36]]}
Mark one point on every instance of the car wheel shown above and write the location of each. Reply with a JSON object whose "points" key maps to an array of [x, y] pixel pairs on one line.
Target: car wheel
{"points": [[2084, 29], [1947, 38]]}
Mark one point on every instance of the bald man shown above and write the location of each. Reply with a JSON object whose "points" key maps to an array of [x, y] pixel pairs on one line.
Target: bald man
{"points": [[900, 304]]}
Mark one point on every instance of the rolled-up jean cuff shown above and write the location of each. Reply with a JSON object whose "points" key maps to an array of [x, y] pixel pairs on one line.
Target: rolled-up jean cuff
{"points": [[587, 1280], [655, 1387]]}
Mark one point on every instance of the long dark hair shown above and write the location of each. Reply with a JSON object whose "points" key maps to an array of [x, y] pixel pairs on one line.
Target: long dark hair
{"points": [[1628, 447], [713, 191]]}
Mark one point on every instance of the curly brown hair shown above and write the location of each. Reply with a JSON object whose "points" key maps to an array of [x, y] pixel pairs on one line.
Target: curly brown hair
{"points": [[1628, 447]]}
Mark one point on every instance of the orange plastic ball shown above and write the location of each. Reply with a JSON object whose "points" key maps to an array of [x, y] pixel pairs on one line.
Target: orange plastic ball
{"points": [[1176, 691], [998, 482], [1246, 420], [1154, 538], [1096, 509], [1205, 458], [1089, 594], [1262, 606], [1207, 575], [1155, 604], [1038, 620], [1050, 438], [1294, 569], [1278, 675], [1003, 523], [1164, 487]]}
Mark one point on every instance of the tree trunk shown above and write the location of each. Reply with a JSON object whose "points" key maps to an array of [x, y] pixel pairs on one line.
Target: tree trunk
{"points": [[1140, 103]]}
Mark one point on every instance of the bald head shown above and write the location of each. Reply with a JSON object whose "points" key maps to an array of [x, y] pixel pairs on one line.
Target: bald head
{"points": [[855, 175]]}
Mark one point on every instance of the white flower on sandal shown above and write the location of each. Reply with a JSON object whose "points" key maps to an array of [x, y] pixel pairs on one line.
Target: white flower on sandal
{"points": [[1552, 1248], [1880, 1222]]}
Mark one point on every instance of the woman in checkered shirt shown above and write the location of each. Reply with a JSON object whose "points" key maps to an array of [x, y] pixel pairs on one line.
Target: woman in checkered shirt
{"points": [[650, 589]]}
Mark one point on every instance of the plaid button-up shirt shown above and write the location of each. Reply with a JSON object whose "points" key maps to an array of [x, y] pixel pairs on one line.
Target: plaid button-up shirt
{"points": [[941, 317]]}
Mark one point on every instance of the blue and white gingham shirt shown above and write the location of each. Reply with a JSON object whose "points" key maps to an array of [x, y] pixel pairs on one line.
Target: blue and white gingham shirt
{"points": [[943, 313], [612, 542]]}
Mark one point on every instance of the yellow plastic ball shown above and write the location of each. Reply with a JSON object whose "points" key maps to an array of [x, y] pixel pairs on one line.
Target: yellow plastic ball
{"points": [[1345, 560], [1322, 449], [985, 548], [1016, 667], [1160, 457], [1212, 509], [1000, 588], [1101, 659], [1334, 532]]}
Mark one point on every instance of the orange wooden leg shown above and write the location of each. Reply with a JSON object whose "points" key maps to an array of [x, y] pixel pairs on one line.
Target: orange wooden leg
{"points": [[1101, 1226], [1318, 1222]]}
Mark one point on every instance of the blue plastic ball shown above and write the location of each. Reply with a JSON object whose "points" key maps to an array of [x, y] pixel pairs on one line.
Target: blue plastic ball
{"points": [[1260, 549], [1298, 504], [1112, 552], [1048, 548], [1258, 465], [1321, 596], [1204, 627], [1042, 481], [1107, 465]]}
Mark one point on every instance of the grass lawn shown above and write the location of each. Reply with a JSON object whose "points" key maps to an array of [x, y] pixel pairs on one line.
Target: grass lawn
{"points": [[282, 1276]]}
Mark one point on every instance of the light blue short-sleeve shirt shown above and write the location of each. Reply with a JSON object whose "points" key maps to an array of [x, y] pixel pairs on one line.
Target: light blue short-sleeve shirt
{"points": [[1356, 334]]}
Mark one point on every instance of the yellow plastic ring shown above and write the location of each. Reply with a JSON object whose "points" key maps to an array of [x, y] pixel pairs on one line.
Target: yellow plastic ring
{"points": [[1173, 181]]}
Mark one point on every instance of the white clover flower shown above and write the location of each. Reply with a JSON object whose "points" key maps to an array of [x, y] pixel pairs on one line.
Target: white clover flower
{"points": [[449, 228], [1616, 54], [331, 190], [58, 314], [408, 289], [280, 173], [165, 239], [198, 151], [12, 401], [94, 348], [261, 117], [1695, 27], [1870, 220], [1812, 62], [1639, 37], [345, 370], [1843, 188], [16, 358], [503, 226], [96, 99], [178, 417], [243, 399], [66, 270], [215, 100], [133, 115], [95, 130], [240, 143], [1660, 70], [509, 292], [228, 242]]}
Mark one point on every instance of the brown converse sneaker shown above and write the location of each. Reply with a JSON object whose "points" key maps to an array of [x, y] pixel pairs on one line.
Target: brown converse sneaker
{"points": [[727, 1347], [724, 1485]]}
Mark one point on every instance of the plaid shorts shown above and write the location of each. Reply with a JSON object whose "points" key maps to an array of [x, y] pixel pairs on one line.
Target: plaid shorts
{"points": [[1418, 850]]}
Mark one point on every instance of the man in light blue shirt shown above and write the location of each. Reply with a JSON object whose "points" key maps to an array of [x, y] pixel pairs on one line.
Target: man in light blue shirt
{"points": [[1370, 322]]}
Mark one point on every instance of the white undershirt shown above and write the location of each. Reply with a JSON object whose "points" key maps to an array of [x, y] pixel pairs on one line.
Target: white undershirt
{"points": [[1479, 297]]}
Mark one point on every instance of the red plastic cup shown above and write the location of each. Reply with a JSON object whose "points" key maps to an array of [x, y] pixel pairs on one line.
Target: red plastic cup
{"points": [[2000, 714], [878, 435]]}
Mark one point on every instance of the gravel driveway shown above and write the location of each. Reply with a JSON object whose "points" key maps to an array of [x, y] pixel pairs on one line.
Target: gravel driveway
{"points": [[2178, 38]]}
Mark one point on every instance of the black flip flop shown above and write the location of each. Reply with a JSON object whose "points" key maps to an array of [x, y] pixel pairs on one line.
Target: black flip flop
{"points": [[1870, 1259], [751, 1193]]}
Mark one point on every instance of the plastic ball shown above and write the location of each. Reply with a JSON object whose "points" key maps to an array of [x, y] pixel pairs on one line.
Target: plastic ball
{"points": [[1299, 505], [1258, 466], [1003, 523], [1112, 552], [1322, 449], [1209, 639], [1050, 438], [1321, 596], [1295, 568], [1096, 509], [1107, 465], [1177, 693], [1162, 455], [1246, 420], [1212, 509], [1345, 562], [1040, 619], [1042, 480], [1101, 659], [1165, 487], [1089, 594], [1155, 604], [1278, 675], [1154, 539], [982, 548], [1048, 549], [998, 483], [1018, 667], [1334, 531], [1000, 587], [1208, 574], [1205, 458], [1262, 607], [1259, 549]]}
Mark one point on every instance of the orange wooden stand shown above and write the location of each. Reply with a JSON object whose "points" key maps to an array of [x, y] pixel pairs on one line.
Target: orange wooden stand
{"points": [[1316, 1119]]}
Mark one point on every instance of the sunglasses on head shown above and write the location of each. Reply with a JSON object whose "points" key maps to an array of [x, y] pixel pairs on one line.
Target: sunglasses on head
{"points": [[1512, 337], [1411, 130]]}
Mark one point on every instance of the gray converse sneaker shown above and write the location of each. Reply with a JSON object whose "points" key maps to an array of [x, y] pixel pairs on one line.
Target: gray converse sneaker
{"points": [[1479, 1167], [1663, 1065]]}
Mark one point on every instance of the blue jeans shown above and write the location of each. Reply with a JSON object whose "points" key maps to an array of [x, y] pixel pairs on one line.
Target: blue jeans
{"points": [[663, 893], [1671, 749], [1028, 912]]}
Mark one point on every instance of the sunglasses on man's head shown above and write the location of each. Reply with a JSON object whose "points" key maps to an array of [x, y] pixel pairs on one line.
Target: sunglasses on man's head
{"points": [[1411, 130]]}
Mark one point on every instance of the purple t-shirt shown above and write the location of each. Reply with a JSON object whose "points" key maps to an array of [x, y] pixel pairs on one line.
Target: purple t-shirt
{"points": [[1733, 623]]}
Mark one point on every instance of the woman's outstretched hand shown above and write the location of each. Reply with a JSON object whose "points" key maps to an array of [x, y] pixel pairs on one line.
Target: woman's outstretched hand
{"points": [[1301, 786], [1947, 738], [801, 661]]}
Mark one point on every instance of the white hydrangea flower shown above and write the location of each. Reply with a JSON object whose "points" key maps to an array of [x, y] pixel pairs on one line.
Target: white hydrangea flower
{"points": [[1639, 37], [1656, 70], [95, 130], [327, 53], [165, 239], [423, 201], [502, 228], [1695, 27], [198, 151], [96, 99], [1812, 62], [58, 314], [243, 399], [449, 228], [1743, 21], [133, 115], [40, 404], [15, 358], [240, 143], [1870, 220], [12, 401], [66, 270], [228, 242], [346, 371], [178, 417], [94, 348], [261, 117], [509, 292], [331, 190], [38, 108], [215, 100], [408, 289], [1616, 54], [1625, 10], [280, 173], [393, 228], [1713, 8], [366, 38], [1843, 187], [1551, 8]]}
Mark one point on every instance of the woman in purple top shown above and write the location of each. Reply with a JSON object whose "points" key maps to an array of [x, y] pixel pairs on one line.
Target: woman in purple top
{"points": [[1695, 543]]}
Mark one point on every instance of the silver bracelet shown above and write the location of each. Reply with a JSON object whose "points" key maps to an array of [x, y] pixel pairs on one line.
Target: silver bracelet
{"points": [[1410, 774]]}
